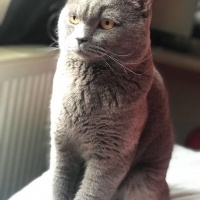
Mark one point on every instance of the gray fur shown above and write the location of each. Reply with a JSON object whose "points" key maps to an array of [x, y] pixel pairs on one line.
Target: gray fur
{"points": [[110, 127]]}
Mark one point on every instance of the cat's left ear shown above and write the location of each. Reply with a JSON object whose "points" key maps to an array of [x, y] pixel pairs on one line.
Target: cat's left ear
{"points": [[144, 5], [147, 5]]}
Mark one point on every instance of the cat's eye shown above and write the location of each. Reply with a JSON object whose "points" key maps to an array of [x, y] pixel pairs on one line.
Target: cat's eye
{"points": [[107, 24], [74, 19]]}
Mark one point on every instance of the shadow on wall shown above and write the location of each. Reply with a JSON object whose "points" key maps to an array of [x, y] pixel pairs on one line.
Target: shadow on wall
{"points": [[30, 21]]}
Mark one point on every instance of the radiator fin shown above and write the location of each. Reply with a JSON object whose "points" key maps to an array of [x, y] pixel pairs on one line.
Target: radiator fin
{"points": [[24, 110]]}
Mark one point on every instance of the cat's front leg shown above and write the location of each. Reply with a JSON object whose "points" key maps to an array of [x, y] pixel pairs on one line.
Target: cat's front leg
{"points": [[65, 169], [101, 179]]}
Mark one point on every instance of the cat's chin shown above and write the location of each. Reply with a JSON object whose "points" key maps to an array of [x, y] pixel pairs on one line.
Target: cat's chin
{"points": [[87, 56]]}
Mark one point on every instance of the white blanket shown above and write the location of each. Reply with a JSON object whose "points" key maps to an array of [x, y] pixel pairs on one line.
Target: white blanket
{"points": [[183, 178], [183, 174]]}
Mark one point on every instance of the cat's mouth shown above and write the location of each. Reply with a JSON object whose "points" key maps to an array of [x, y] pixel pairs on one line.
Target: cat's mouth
{"points": [[90, 52]]}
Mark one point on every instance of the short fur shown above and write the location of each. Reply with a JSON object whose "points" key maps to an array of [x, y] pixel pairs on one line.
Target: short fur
{"points": [[110, 128]]}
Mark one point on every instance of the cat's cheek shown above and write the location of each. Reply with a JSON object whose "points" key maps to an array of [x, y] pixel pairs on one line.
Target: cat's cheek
{"points": [[72, 43], [68, 43]]}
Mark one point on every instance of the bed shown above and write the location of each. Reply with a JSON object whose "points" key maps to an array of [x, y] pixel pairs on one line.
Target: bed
{"points": [[183, 178]]}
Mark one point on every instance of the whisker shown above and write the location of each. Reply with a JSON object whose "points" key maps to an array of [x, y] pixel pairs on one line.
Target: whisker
{"points": [[122, 55], [54, 43], [49, 26], [136, 63], [109, 65], [104, 51], [113, 56], [53, 49], [124, 67], [126, 55], [99, 49], [112, 70]]}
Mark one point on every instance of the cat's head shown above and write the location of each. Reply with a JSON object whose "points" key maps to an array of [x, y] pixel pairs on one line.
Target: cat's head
{"points": [[102, 29]]}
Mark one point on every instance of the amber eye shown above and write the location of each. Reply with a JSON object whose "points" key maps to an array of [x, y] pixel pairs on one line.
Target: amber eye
{"points": [[107, 24], [74, 19]]}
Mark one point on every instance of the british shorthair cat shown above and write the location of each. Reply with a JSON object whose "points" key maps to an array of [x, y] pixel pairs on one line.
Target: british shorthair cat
{"points": [[111, 135]]}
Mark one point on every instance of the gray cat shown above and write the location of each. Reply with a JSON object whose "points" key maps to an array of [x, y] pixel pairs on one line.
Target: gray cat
{"points": [[110, 127]]}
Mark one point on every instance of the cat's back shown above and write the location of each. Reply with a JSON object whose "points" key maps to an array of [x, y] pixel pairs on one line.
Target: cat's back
{"points": [[157, 136], [157, 95]]}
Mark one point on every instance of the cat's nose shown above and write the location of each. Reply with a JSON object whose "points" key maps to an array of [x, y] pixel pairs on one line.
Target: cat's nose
{"points": [[81, 40]]}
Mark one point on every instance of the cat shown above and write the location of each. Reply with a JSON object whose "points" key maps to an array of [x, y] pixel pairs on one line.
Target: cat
{"points": [[111, 133]]}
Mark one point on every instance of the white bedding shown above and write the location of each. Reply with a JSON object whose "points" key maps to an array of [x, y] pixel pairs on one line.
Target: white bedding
{"points": [[183, 178], [183, 174]]}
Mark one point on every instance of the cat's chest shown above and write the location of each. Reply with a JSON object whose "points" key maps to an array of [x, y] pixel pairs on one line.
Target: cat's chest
{"points": [[88, 98], [86, 108], [75, 98], [87, 93]]}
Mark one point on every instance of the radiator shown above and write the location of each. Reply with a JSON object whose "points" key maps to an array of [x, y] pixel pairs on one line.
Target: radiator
{"points": [[26, 75]]}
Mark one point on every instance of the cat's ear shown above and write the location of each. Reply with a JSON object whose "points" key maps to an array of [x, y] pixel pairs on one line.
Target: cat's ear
{"points": [[144, 5], [147, 5]]}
